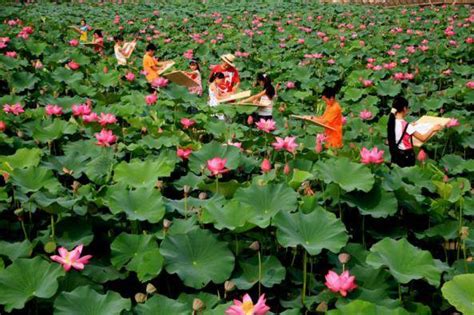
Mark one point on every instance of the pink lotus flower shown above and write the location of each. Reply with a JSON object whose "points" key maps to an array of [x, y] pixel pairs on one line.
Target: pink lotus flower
{"points": [[106, 119], [286, 169], [53, 110], [422, 156], [241, 54], [186, 122], [11, 54], [73, 65], [453, 122], [246, 307], [343, 283], [470, 85], [183, 154], [217, 166], [105, 138], [409, 76], [447, 72], [366, 115], [167, 41], [399, 76], [320, 140], [3, 126], [367, 83], [71, 259], [266, 125], [374, 156], [405, 60], [266, 166], [151, 99], [159, 82], [130, 76], [235, 144], [290, 85], [81, 109], [188, 54], [331, 61], [92, 117], [15, 109], [301, 41], [27, 30], [249, 120], [74, 42], [4, 42], [287, 144], [38, 64]]}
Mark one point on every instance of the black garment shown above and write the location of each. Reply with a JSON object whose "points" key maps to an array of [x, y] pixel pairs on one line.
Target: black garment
{"points": [[403, 158]]}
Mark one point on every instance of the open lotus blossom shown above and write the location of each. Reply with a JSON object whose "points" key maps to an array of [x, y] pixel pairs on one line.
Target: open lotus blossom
{"points": [[159, 82], [53, 110], [246, 306], [188, 54], [106, 119], [374, 156], [217, 166], [422, 156], [15, 109], [266, 166], [288, 144], [151, 99], [183, 154], [320, 140], [92, 117], [130, 76], [71, 259], [453, 122], [367, 83], [266, 125], [74, 42], [73, 65], [186, 122], [81, 109], [470, 85], [4, 42], [343, 283], [366, 115], [105, 138], [11, 54], [290, 85]]}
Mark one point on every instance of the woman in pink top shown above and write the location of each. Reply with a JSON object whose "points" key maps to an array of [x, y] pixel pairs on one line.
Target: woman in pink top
{"points": [[98, 42], [400, 134]]}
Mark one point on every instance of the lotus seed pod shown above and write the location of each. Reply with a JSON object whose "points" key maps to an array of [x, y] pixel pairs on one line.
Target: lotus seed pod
{"points": [[229, 286], [166, 223], [140, 297], [198, 305], [344, 258], [255, 246], [186, 189], [202, 196], [150, 288]]}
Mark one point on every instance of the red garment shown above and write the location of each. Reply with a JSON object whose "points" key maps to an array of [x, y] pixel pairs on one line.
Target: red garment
{"points": [[99, 44], [231, 76]]}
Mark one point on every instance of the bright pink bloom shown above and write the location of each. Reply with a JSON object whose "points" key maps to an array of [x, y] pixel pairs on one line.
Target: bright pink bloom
{"points": [[73, 65], [266, 166], [105, 119], [287, 144], [130, 76], [74, 42], [447, 72], [71, 259], [217, 165], [105, 138], [11, 54], [183, 154], [367, 83], [405, 60], [374, 156], [15, 109], [331, 61], [422, 156], [266, 125], [343, 283], [81, 109], [186, 122], [290, 85], [409, 76], [159, 82], [246, 307], [286, 169], [470, 85], [53, 110], [320, 140], [241, 54], [3, 126], [151, 99], [90, 118], [452, 123], [366, 115], [188, 54], [249, 120], [301, 41], [399, 76]]}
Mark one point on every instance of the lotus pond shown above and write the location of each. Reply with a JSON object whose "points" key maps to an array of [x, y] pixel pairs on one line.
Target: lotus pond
{"points": [[315, 230]]}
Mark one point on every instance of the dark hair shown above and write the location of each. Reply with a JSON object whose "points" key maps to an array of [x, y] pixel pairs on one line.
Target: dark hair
{"points": [[329, 92], [216, 75], [267, 84], [196, 62], [150, 46], [399, 105], [98, 32], [118, 37]]}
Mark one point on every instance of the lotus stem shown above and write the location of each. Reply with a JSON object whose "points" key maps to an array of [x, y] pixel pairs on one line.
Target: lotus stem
{"points": [[185, 205], [53, 232], [217, 185], [303, 291], [400, 292], [24, 230], [259, 273]]}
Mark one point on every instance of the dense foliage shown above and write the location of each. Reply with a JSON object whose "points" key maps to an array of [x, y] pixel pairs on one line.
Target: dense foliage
{"points": [[168, 237]]}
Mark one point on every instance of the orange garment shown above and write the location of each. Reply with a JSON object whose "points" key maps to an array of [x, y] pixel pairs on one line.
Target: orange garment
{"points": [[333, 117], [148, 64]]}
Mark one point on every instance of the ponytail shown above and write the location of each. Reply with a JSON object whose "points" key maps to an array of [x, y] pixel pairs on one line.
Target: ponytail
{"points": [[399, 104]]}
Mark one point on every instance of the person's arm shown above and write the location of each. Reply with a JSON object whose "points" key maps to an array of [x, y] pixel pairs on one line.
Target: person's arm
{"points": [[329, 115], [254, 98], [425, 136], [236, 82]]}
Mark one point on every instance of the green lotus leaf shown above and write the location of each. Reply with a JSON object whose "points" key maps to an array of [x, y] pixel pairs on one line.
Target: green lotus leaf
{"points": [[34, 47], [86, 301], [11, 63], [34, 178], [198, 160], [107, 80], [230, 215], [460, 293], [266, 201], [447, 230], [388, 88], [138, 253], [143, 204], [314, 231], [16, 250], [209, 300], [272, 272], [67, 76], [25, 279], [456, 164], [101, 273], [360, 307], [161, 305], [405, 261], [138, 173], [353, 94], [45, 132], [21, 81], [22, 158], [74, 231], [337, 170], [197, 257]]}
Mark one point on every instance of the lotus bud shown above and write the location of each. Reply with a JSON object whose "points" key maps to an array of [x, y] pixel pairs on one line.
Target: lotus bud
{"points": [[166, 224], [202, 196], [140, 297], [3, 126], [249, 120], [18, 211], [150, 288], [255, 246], [464, 232], [186, 189], [198, 305], [286, 169], [322, 307], [344, 258], [229, 286]]}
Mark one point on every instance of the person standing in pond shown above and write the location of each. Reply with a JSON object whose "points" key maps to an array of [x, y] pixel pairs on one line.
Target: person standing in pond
{"points": [[231, 75], [332, 117]]}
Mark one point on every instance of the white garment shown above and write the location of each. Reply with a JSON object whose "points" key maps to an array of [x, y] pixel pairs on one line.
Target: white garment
{"points": [[213, 102], [121, 60], [399, 127], [267, 110]]}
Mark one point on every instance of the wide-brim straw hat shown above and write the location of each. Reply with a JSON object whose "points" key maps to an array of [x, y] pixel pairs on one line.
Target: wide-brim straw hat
{"points": [[229, 59]]}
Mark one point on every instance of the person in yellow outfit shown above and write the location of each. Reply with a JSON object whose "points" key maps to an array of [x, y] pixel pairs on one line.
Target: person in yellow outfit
{"points": [[332, 117], [82, 30], [151, 66]]}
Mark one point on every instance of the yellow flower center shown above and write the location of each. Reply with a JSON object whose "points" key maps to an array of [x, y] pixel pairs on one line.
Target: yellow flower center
{"points": [[247, 307]]}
